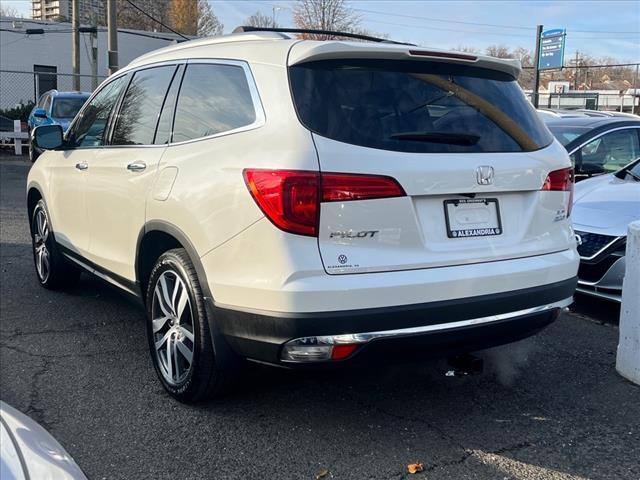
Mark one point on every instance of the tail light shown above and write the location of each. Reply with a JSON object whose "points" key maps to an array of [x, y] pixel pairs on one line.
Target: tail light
{"points": [[561, 181], [291, 198]]}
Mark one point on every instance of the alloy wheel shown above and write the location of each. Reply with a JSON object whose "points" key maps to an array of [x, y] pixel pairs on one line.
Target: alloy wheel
{"points": [[172, 327], [42, 254]]}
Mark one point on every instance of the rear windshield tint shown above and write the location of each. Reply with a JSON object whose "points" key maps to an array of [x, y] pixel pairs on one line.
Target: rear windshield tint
{"points": [[421, 107], [566, 135]]}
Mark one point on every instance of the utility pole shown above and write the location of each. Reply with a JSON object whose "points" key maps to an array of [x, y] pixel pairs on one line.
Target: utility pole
{"points": [[94, 52], [575, 78], [536, 81], [112, 27], [75, 46], [635, 91]]}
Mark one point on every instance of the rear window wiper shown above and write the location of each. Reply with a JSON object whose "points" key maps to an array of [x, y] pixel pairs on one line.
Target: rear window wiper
{"points": [[463, 139]]}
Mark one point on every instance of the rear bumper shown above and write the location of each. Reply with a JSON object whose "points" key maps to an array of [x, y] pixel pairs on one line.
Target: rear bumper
{"points": [[435, 328]]}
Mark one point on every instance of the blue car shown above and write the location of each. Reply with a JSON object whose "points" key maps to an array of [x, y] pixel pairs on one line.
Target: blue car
{"points": [[54, 107]]}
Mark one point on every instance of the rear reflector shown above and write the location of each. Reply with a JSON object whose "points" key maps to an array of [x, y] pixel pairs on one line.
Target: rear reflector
{"points": [[320, 349], [561, 181], [290, 199]]}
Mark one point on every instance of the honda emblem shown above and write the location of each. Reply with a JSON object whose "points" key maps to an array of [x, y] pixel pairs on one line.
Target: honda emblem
{"points": [[484, 175]]}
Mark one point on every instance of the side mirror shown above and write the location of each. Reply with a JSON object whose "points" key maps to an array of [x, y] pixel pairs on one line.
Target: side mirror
{"points": [[40, 113], [48, 137]]}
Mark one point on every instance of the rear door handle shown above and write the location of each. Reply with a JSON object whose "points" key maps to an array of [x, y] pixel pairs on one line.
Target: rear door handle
{"points": [[82, 166], [136, 166]]}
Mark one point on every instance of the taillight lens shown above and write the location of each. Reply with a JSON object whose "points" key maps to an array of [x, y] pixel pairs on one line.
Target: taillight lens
{"points": [[561, 180], [291, 198], [340, 187]]}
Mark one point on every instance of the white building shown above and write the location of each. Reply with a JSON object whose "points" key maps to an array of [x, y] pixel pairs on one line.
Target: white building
{"points": [[31, 64], [62, 9]]}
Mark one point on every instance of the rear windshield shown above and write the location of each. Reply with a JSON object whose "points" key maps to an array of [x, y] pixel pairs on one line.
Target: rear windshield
{"points": [[422, 107], [568, 134], [67, 107]]}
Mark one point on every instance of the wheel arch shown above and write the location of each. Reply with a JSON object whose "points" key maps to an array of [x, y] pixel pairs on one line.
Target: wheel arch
{"points": [[34, 195], [155, 238], [168, 235]]}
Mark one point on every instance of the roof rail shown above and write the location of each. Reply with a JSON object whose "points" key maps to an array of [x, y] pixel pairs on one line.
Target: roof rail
{"points": [[247, 28]]}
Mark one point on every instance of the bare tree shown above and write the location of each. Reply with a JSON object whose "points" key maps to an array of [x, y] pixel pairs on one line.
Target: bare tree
{"points": [[258, 19], [208, 23], [461, 48], [332, 15], [499, 51], [6, 11], [130, 17]]}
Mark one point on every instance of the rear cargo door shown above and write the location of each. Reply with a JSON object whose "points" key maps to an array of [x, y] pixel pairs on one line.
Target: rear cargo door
{"points": [[464, 144]]}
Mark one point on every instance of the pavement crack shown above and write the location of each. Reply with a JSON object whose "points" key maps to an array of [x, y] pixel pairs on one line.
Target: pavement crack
{"points": [[70, 355], [405, 418], [34, 409]]}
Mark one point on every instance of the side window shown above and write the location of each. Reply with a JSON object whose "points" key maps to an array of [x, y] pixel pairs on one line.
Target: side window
{"points": [[163, 132], [610, 152], [41, 101], [213, 99], [138, 116], [89, 130]]}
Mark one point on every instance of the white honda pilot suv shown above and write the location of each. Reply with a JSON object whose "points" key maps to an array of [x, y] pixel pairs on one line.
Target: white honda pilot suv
{"points": [[304, 202]]}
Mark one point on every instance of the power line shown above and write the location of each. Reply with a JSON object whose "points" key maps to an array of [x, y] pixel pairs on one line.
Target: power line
{"points": [[443, 20], [477, 32], [479, 24], [156, 20], [493, 25], [140, 34], [572, 67]]}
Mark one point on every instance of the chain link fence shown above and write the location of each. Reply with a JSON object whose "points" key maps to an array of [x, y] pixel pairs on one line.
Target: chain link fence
{"points": [[19, 88]]}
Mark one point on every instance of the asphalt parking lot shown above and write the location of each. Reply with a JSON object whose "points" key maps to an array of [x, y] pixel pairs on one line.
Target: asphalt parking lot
{"points": [[551, 407]]}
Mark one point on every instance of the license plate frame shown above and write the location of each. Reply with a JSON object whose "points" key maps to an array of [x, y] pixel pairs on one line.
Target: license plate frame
{"points": [[488, 231]]}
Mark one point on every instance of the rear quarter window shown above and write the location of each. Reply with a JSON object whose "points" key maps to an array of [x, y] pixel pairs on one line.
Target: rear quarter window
{"points": [[213, 98], [421, 107]]}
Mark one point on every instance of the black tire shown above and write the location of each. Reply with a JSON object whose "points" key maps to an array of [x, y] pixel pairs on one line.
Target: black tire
{"points": [[33, 152], [201, 378], [53, 271]]}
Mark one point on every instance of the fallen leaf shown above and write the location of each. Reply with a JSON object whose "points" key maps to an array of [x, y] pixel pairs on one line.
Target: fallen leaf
{"points": [[322, 473], [415, 467]]}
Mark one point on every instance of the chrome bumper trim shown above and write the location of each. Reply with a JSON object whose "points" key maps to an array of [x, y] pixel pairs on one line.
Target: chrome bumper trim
{"points": [[361, 338]]}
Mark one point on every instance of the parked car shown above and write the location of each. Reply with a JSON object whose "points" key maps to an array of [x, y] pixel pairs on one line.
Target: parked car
{"points": [[28, 451], [603, 208], [54, 107], [549, 114], [303, 203], [598, 145]]}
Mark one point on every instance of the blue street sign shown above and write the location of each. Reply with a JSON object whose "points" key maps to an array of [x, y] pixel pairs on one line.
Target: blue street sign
{"points": [[552, 49]]}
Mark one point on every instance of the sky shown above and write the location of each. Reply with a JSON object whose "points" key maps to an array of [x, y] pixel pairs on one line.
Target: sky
{"points": [[597, 28]]}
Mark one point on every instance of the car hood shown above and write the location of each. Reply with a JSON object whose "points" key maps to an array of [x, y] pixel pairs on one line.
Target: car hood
{"points": [[606, 205], [43, 456]]}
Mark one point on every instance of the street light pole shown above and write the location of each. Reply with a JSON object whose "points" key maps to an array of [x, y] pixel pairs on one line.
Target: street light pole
{"points": [[536, 81], [112, 27], [94, 53], [75, 45]]}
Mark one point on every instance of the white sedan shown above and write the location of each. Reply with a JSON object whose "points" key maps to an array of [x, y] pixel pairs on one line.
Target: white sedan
{"points": [[28, 451], [603, 208]]}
